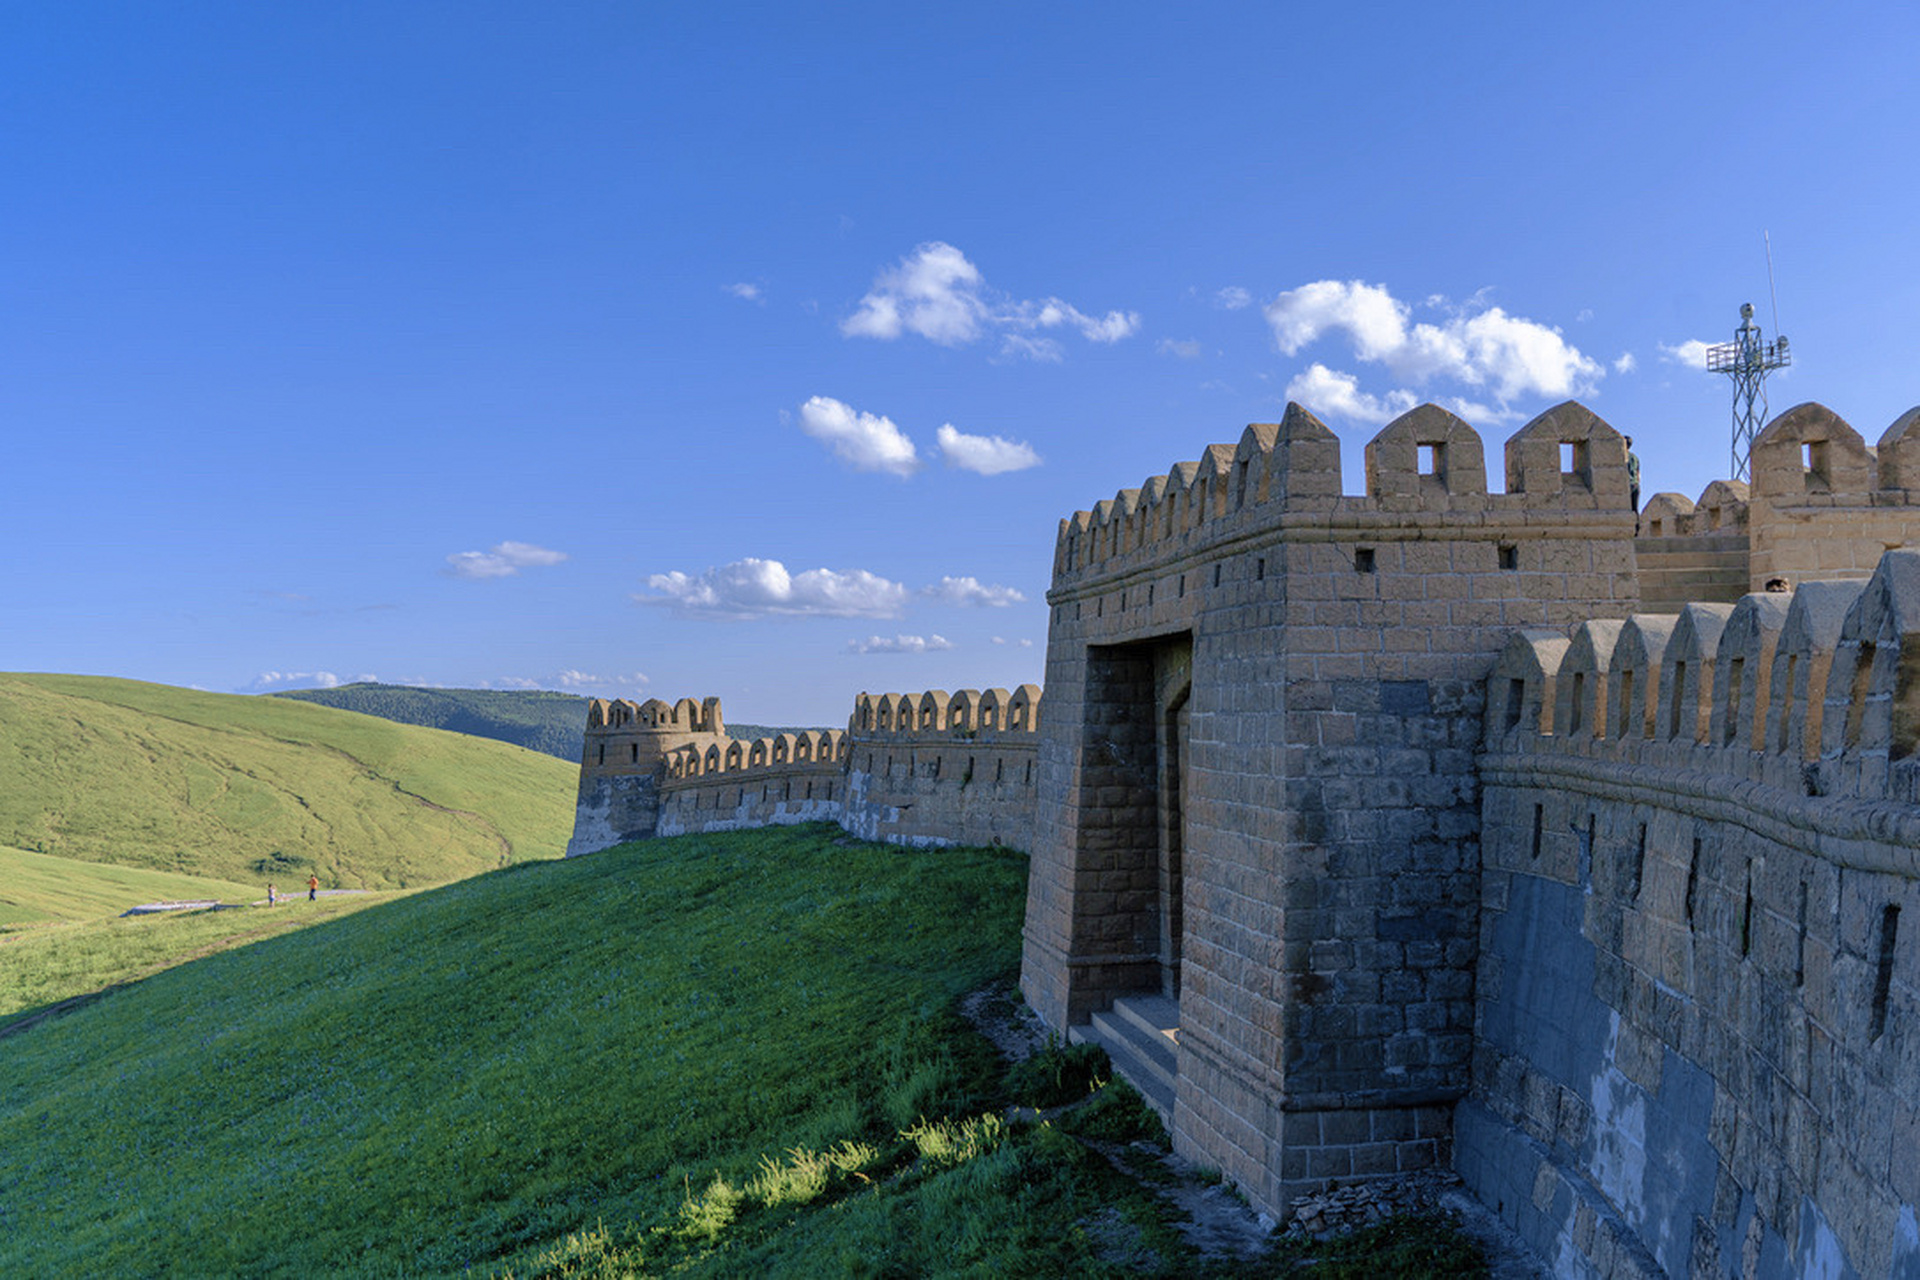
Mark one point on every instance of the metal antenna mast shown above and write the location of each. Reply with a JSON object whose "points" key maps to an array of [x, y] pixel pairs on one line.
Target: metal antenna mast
{"points": [[1747, 360]]}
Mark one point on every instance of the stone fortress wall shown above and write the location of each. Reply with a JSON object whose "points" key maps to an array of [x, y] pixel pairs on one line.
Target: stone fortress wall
{"points": [[1696, 1047], [1258, 785], [920, 769], [1521, 831]]}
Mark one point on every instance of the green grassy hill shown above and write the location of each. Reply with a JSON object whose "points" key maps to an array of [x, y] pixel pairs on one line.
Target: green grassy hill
{"points": [[250, 789], [537, 719], [467, 1076], [726, 1055], [38, 888]]}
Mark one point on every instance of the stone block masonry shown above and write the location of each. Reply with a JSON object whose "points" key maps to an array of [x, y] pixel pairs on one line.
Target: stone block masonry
{"points": [[1697, 1044], [1521, 831], [916, 769]]}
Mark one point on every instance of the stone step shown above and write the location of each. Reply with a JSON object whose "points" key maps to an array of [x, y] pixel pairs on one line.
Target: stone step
{"points": [[1139, 1034]]}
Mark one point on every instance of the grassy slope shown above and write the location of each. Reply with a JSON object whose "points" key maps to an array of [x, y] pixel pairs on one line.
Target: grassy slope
{"points": [[39, 888], [466, 1075], [691, 1056], [538, 719], [43, 966], [247, 789]]}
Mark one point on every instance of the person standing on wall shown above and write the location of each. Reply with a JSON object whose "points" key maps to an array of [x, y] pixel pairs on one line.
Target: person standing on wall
{"points": [[1633, 479], [313, 888]]}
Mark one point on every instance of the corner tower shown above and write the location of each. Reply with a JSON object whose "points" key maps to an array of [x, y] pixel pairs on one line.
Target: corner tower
{"points": [[623, 760]]}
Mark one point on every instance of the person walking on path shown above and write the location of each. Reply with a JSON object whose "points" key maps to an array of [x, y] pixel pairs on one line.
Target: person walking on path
{"points": [[313, 888], [273, 895]]}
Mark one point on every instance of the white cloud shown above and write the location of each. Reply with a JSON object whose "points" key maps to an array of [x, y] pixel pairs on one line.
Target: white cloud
{"points": [[1233, 298], [899, 644], [1038, 350], [1692, 353], [1337, 395], [744, 291], [270, 681], [937, 293], [1626, 363], [1024, 644], [1476, 345], [971, 591], [755, 588], [864, 441], [571, 679], [984, 455], [1187, 349], [934, 292], [504, 561]]}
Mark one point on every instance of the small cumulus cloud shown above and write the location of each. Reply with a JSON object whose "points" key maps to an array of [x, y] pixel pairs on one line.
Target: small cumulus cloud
{"points": [[504, 561], [572, 679], [1019, 644], [745, 292], [1625, 363], [899, 644], [1692, 353], [1233, 298], [1338, 395], [971, 591], [864, 441], [274, 681], [1475, 345], [936, 293], [754, 588], [1186, 349], [984, 455]]}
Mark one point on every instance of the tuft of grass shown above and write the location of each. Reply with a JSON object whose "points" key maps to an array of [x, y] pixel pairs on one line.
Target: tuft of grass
{"points": [[1427, 1246], [945, 1143], [1059, 1073]]}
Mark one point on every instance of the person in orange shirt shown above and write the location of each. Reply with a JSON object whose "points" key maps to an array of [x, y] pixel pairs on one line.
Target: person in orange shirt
{"points": [[313, 888]]}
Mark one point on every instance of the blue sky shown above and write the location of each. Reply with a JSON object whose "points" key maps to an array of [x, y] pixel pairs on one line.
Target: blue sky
{"points": [[756, 351]]}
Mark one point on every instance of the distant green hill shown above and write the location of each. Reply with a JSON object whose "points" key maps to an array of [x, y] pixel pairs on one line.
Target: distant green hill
{"points": [[248, 789], [537, 719]]}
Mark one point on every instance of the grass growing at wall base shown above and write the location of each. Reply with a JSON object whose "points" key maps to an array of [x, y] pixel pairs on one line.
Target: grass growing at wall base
{"points": [[730, 1055], [466, 1076]]}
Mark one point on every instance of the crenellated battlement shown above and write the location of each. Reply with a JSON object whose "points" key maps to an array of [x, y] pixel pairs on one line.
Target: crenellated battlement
{"points": [[1811, 692], [938, 715], [1425, 468], [936, 768], [808, 749]]}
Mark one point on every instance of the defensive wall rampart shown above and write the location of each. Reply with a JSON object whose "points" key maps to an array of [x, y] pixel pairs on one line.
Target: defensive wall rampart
{"points": [[1521, 831], [1258, 792], [1696, 1050], [934, 769], [1259, 786], [1822, 505], [931, 768]]}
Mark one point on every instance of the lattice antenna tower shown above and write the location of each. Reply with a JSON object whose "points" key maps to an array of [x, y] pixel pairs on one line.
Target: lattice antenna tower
{"points": [[1747, 360]]}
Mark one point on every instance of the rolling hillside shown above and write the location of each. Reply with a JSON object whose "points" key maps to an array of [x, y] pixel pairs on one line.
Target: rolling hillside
{"points": [[537, 719], [38, 888], [249, 789], [462, 1078]]}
